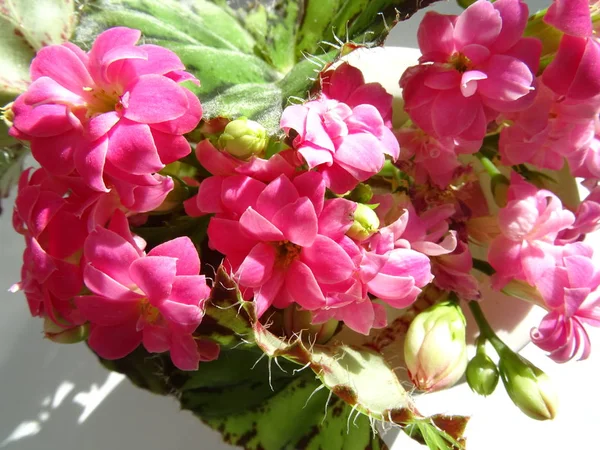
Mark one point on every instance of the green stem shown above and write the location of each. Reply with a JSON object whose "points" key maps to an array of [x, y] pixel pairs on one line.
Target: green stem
{"points": [[483, 266], [486, 330], [488, 165]]}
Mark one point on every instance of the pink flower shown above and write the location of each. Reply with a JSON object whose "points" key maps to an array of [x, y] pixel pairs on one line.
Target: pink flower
{"points": [[346, 142], [118, 110], [156, 299], [452, 272], [281, 242], [473, 66], [550, 130], [571, 293], [529, 225]]}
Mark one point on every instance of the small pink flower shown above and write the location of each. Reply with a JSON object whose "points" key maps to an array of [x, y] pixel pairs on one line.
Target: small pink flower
{"points": [[155, 299], [529, 225], [572, 297], [346, 142], [452, 272], [473, 66], [117, 110]]}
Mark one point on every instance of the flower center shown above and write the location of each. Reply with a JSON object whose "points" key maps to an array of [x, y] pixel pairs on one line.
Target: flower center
{"points": [[287, 252], [460, 62], [149, 313], [99, 101]]}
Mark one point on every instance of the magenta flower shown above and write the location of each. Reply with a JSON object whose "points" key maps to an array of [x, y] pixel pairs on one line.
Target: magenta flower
{"points": [[529, 225], [571, 17], [346, 142], [473, 66], [571, 293], [155, 299], [118, 110], [281, 246]]}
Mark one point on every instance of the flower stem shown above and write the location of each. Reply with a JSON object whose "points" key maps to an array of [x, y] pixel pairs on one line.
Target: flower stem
{"points": [[486, 329], [483, 266]]}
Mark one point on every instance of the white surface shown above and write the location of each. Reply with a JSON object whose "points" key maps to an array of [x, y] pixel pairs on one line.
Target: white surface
{"points": [[56, 397]]}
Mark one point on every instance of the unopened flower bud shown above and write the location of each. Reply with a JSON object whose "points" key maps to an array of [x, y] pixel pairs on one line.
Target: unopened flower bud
{"points": [[482, 374], [361, 193], [528, 387], [435, 348], [297, 322], [243, 138], [7, 114], [500, 185], [366, 223], [62, 335]]}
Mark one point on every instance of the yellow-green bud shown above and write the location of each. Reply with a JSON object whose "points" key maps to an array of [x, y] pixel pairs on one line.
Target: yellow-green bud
{"points": [[366, 223], [8, 115], [243, 138], [435, 348], [62, 335], [528, 387], [482, 374]]}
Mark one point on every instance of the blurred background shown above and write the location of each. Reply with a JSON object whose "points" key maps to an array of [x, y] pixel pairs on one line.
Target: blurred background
{"points": [[56, 397]]}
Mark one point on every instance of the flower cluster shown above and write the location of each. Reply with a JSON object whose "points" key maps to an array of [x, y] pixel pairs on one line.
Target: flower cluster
{"points": [[338, 216]]}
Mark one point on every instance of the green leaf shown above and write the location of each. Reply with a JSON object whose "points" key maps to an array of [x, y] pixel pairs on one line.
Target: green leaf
{"points": [[11, 166], [25, 27]]}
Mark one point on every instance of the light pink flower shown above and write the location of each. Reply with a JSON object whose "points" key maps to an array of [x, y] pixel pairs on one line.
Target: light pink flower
{"points": [[529, 225], [117, 110], [551, 129], [346, 142], [155, 299], [572, 297], [281, 243], [452, 272], [473, 66]]}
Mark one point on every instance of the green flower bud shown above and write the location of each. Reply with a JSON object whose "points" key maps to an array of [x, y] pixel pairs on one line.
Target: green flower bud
{"points": [[482, 374], [366, 223], [243, 138], [62, 335], [528, 387], [435, 348], [361, 193], [7, 114]]}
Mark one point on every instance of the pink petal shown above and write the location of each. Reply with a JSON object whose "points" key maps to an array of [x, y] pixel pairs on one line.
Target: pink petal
{"points": [[45, 90], [312, 185], [266, 294], [156, 339], [303, 287], [131, 148], [115, 342], [185, 123], [111, 254], [190, 290], [104, 286], [154, 275], [213, 160], [344, 81], [183, 249], [44, 121], [480, 23], [468, 82], [337, 217], [113, 37], [298, 222], [360, 154], [514, 19], [315, 156], [71, 73], [436, 34], [570, 16], [184, 352], [320, 257], [259, 228], [227, 237], [240, 192], [464, 110], [106, 311], [101, 124], [183, 317], [279, 193], [208, 199], [257, 267], [154, 99], [508, 79], [90, 160], [170, 148]]}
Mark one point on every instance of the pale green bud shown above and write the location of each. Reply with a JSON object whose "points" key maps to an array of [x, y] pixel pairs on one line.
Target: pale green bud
{"points": [[482, 374], [366, 223], [528, 387], [243, 138], [435, 348], [62, 335], [297, 322]]}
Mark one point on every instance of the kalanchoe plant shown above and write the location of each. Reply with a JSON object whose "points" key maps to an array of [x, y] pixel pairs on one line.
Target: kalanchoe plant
{"points": [[220, 192]]}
